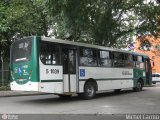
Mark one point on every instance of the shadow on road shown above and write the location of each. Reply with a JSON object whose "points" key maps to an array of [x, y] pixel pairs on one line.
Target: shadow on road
{"points": [[54, 99], [114, 94]]}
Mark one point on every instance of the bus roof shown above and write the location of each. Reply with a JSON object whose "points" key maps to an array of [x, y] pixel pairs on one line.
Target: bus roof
{"points": [[86, 45], [89, 45]]}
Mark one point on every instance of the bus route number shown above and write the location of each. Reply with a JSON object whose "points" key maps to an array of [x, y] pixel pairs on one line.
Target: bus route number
{"points": [[52, 71]]}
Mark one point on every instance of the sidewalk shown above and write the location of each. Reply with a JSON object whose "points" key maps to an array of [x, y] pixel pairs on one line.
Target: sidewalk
{"points": [[18, 93]]}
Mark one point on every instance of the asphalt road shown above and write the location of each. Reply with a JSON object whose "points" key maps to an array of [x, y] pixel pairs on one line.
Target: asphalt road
{"points": [[106, 106], [146, 101]]}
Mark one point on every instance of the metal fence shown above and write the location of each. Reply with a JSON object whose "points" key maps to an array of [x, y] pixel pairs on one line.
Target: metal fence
{"points": [[4, 78]]}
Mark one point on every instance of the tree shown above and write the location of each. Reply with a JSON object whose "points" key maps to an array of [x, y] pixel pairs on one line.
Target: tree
{"points": [[22, 18], [158, 21], [102, 22]]}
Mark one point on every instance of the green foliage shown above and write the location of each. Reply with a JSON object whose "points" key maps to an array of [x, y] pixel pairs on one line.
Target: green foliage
{"points": [[102, 22], [25, 17]]}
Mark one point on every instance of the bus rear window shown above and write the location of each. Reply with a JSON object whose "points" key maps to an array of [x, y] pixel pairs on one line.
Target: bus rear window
{"points": [[21, 50]]}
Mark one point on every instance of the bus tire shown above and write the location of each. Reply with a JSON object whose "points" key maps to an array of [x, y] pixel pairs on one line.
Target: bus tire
{"points": [[153, 82], [89, 91], [139, 86]]}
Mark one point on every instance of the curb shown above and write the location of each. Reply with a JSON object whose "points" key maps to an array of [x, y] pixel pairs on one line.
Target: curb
{"points": [[21, 94]]}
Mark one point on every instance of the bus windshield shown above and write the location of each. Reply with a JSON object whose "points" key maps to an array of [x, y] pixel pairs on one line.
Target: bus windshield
{"points": [[21, 50]]}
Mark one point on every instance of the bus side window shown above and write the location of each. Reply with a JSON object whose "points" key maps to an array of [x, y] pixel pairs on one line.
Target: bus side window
{"points": [[49, 53], [88, 57], [129, 60], [118, 59], [104, 58], [139, 62]]}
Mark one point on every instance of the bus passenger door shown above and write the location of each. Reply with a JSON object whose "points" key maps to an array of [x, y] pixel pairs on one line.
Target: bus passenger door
{"points": [[148, 70], [69, 69]]}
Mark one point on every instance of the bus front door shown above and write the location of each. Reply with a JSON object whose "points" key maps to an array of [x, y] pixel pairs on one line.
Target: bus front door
{"points": [[69, 69], [148, 70]]}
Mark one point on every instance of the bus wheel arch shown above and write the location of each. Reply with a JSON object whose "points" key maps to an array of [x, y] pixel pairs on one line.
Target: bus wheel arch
{"points": [[91, 80], [90, 88], [139, 85]]}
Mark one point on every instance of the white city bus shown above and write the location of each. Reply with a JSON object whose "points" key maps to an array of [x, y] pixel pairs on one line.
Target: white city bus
{"points": [[65, 67]]}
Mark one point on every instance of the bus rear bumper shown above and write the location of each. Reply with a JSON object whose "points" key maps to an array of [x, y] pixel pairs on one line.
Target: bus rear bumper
{"points": [[29, 86]]}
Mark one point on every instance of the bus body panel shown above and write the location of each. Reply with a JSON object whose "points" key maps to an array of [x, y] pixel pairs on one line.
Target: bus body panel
{"points": [[50, 72], [51, 87], [51, 79], [139, 74], [106, 78], [109, 84]]}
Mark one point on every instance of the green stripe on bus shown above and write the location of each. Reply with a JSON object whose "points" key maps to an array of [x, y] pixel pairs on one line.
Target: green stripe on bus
{"points": [[52, 80], [108, 79]]}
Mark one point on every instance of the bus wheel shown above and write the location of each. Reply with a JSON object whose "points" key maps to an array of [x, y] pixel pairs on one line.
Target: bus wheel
{"points": [[89, 91], [139, 86], [153, 82]]}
